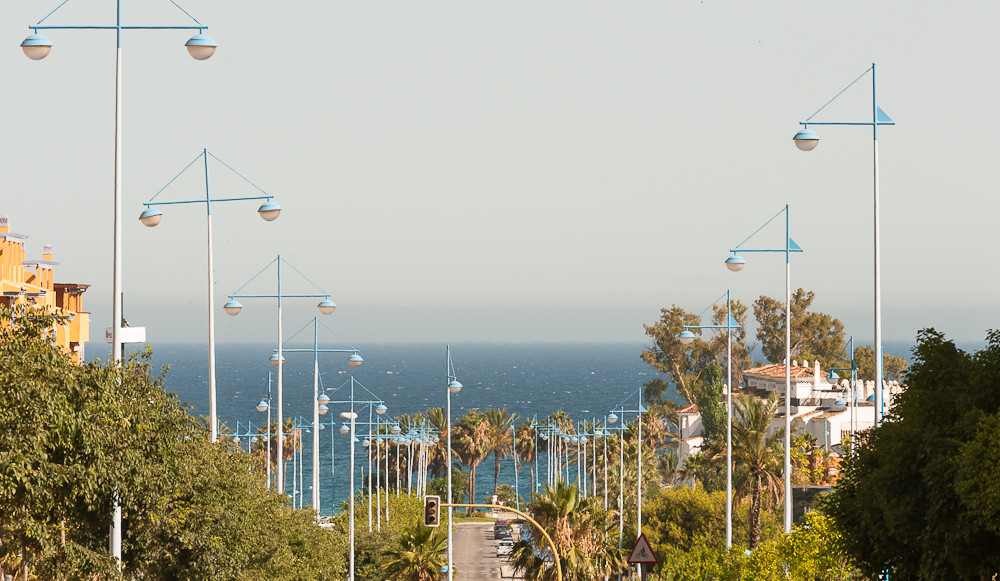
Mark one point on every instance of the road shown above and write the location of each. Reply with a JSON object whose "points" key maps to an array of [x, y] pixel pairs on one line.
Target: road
{"points": [[475, 552]]}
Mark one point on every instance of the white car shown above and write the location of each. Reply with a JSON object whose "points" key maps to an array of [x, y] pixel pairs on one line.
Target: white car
{"points": [[505, 548]]}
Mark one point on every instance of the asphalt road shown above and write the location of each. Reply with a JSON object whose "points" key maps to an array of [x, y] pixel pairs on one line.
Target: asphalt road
{"points": [[475, 552]]}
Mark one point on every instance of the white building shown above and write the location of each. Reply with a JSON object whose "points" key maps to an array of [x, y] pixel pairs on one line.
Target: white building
{"points": [[819, 406]]}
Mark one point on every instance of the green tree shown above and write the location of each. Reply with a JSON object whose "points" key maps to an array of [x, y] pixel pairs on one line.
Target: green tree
{"points": [[758, 457], [470, 443], [915, 498], [711, 406], [500, 435], [525, 448], [893, 368], [73, 438], [420, 556], [720, 341], [585, 538], [682, 364], [814, 335]]}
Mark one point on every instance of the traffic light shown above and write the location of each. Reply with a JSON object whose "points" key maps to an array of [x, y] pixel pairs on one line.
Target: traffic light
{"points": [[432, 511]]}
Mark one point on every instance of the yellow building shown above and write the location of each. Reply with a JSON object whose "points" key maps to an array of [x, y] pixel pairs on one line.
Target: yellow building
{"points": [[32, 282]]}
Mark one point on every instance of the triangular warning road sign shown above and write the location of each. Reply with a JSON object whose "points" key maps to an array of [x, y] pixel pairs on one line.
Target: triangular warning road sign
{"points": [[642, 552]]}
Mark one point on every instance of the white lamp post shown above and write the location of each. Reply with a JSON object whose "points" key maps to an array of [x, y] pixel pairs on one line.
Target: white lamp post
{"points": [[735, 263], [36, 47], [807, 140], [233, 308], [453, 386], [152, 216]]}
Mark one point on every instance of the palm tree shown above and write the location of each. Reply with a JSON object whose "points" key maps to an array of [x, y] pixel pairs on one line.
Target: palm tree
{"points": [[437, 463], [759, 457], [470, 443], [526, 451], [501, 438], [420, 556], [585, 538]]}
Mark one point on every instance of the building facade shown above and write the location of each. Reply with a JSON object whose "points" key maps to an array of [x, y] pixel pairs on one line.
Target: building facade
{"points": [[31, 282]]}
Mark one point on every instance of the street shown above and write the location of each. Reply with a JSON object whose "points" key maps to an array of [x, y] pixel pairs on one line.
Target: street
{"points": [[475, 552]]}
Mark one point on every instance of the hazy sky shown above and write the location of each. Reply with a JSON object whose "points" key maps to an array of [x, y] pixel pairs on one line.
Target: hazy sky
{"points": [[511, 171]]}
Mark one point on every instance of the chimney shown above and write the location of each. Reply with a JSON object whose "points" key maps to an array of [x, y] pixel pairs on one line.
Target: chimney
{"points": [[47, 252], [4, 223]]}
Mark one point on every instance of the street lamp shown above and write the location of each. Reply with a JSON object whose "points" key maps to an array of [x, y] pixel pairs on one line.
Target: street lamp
{"points": [[344, 429], [807, 140], [638, 421], [233, 308], [320, 399], [265, 406], [687, 337], [736, 263], [36, 46], [852, 386], [453, 386], [152, 216]]}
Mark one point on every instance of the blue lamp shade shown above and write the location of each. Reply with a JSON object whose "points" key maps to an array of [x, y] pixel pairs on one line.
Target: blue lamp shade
{"points": [[274, 359], [344, 429], [455, 386], [269, 210], [395, 429], [322, 408], [150, 217], [612, 418], [870, 397], [380, 409], [686, 337], [840, 402], [201, 46], [355, 360], [806, 140], [833, 377], [233, 308], [262, 406], [323, 399], [735, 263], [36, 47], [326, 306]]}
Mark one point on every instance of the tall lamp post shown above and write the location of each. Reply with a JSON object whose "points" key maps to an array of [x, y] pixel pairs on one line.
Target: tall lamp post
{"points": [[352, 415], [36, 46], [807, 140], [453, 386], [233, 308], [736, 263], [620, 408], [687, 337], [152, 216], [319, 399], [265, 406], [852, 386]]}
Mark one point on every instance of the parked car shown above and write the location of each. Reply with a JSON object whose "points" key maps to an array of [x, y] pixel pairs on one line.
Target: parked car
{"points": [[505, 548], [502, 533]]}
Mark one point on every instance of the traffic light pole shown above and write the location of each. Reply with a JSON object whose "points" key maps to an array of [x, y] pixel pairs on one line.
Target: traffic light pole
{"points": [[555, 555]]}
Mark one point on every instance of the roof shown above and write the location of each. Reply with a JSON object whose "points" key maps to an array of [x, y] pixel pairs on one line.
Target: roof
{"points": [[691, 409], [778, 370]]}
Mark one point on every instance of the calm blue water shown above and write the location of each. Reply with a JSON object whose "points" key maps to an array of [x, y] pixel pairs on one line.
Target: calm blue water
{"points": [[585, 380]]}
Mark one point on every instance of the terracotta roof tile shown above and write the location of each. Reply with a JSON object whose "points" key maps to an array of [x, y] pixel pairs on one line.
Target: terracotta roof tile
{"points": [[778, 370], [691, 409]]}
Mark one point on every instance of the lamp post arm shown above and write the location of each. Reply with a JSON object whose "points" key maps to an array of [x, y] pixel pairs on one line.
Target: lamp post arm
{"points": [[203, 201]]}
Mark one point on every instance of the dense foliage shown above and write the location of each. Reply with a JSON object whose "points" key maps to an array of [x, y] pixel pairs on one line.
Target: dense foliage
{"points": [[919, 498], [73, 438]]}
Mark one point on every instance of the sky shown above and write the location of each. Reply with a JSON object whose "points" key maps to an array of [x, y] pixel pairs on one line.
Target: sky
{"points": [[510, 171]]}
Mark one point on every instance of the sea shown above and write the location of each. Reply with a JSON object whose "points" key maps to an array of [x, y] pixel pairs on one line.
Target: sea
{"points": [[586, 380]]}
